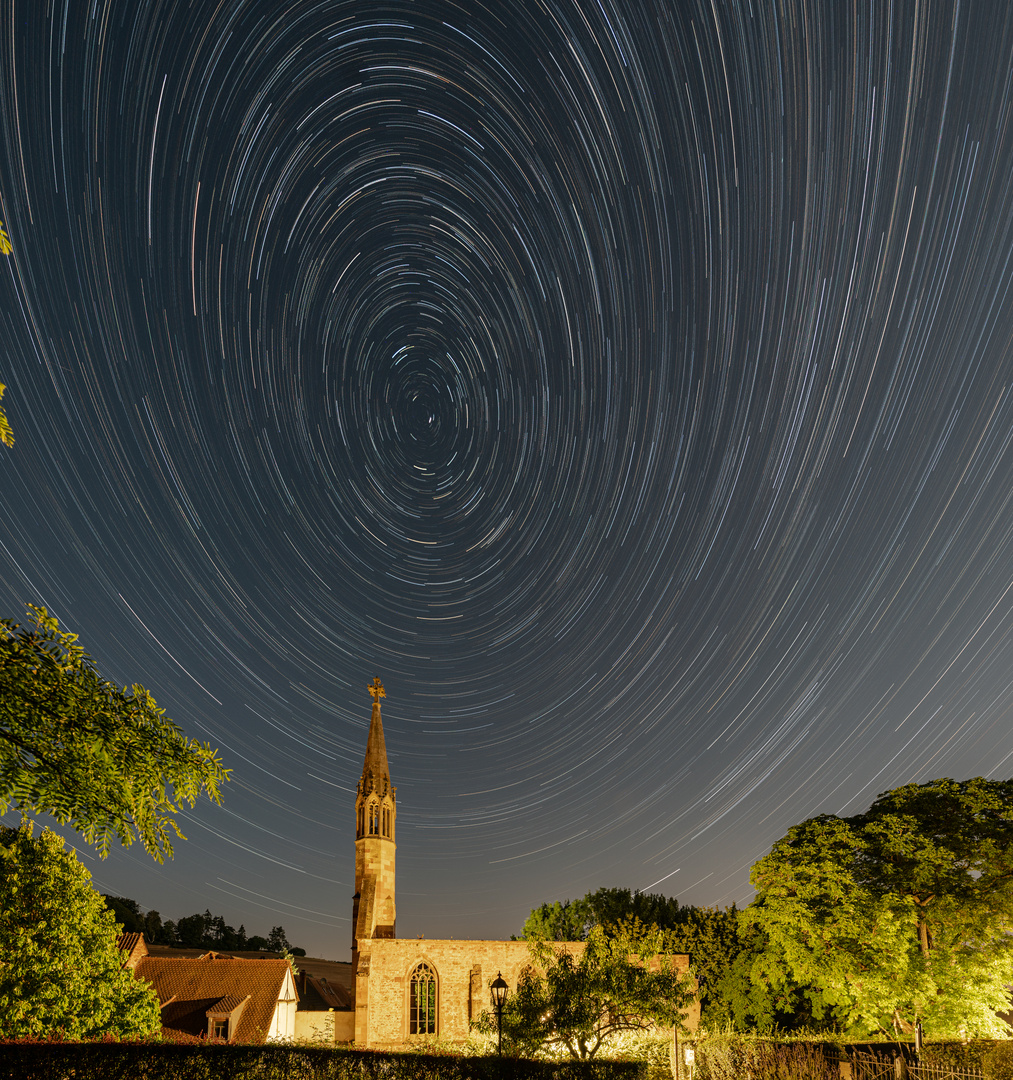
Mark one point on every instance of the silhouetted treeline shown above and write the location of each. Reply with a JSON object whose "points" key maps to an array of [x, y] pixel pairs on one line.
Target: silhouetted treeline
{"points": [[195, 931]]}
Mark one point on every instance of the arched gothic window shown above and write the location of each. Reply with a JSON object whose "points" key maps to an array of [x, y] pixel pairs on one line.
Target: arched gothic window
{"points": [[386, 821], [422, 1001], [360, 824], [374, 819]]}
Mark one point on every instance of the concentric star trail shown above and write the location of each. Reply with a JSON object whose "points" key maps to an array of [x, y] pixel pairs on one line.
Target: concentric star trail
{"points": [[628, 385]]}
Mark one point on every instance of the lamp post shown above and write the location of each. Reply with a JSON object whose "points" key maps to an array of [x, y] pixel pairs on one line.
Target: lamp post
{"points": [[499, 993]]}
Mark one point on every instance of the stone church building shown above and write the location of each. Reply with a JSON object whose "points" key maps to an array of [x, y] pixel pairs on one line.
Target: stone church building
{"points": [[406, 989]]}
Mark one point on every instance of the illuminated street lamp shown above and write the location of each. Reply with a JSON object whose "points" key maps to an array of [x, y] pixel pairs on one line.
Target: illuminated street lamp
{"points": [[499, 993]]}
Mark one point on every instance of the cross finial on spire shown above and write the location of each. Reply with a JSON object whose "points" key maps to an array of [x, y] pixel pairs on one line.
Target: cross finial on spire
{"points": [[376, 691]]}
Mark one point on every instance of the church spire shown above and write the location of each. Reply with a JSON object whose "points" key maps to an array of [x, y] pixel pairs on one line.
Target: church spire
{"points": [[375, 771], [373, 912]]}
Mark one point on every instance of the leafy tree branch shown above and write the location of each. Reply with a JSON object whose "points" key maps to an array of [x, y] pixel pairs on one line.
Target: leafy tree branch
{"points": [[104, 760]]}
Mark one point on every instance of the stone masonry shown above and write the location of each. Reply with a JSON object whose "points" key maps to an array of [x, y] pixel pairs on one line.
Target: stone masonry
{"points": [[382, 964]]}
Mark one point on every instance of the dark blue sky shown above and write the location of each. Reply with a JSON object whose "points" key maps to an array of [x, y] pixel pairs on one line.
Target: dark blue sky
{"points": [[627, 385]]}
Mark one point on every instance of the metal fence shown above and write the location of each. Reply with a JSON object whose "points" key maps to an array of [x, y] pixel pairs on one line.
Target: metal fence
{"points": [[881, 1067], [942, 1072], [873, 1067]]}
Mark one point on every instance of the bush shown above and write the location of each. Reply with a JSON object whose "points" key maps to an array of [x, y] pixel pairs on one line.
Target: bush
{"points": [[957, 1055], [26, 1060], [732, 1057], [997, 1063]]}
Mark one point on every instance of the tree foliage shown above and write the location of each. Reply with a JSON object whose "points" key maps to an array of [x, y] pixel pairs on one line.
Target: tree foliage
{"points": [[75, 746], [6, 432], [711, 938], [576, 999], [709, 935], [61, 971], [573, 920], [197, 931], [745, 1003], [900, 914]]}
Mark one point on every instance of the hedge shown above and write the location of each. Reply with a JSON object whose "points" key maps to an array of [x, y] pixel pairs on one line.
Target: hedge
{"points": [[25, 1060], [733, 1058]]}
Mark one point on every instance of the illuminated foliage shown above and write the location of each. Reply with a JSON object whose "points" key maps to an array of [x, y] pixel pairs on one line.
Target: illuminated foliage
{"points": [[710, 936], [580, 1001], [6, 431], [61, 973], [900, 914], [572, 920], [105, 760]]}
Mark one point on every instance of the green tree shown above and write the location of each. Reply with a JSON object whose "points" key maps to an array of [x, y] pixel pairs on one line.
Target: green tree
{"points": [[900, 914], [6, 432], [276, 940], [745, 1003], [73, 745], [572, 920], [709, 935], [711, 938], [61, 971], [617, 982], [192, 931], [153, 929], [127, 913], [565, 920], [197, 931]]}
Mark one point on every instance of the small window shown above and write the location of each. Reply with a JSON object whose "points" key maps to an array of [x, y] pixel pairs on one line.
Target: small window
{"points": [[220, 1029], [422, 1002]]}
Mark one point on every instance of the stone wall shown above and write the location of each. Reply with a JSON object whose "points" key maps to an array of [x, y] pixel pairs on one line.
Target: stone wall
{"points": [[464, 970]]}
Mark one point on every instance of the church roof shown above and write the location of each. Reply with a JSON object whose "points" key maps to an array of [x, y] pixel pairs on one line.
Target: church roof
{"points": [[375, 764]]}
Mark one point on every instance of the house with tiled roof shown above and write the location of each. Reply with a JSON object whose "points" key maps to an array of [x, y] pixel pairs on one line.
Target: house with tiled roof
{"points": [[395, 992], [215, 996]]}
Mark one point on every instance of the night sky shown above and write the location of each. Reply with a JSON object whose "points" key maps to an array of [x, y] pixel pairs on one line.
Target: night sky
{"points": [[628, 385]]}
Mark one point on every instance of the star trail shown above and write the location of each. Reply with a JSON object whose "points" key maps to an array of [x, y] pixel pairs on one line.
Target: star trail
{"points": [[627, 384]]}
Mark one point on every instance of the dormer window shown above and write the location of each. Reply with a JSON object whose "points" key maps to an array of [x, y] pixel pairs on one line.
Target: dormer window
{"points": [[223, 1017]]}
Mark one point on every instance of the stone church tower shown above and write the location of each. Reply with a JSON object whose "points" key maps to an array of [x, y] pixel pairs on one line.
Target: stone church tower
{"points": [[373, 912], [420, 988]]}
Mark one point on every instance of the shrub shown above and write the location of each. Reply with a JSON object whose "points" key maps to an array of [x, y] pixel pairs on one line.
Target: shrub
{"points": [[997, 1062], [732, 1057], [25, 1060], [968, 1056]]}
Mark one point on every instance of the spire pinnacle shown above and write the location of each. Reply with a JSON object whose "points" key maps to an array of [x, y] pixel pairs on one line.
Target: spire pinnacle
{"points": [[375, 771]]}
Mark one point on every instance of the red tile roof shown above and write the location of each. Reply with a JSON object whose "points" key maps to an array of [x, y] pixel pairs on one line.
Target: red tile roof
{"points": [[226, 1006], [318, 994], [134, 946], [189, 988]]}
